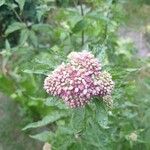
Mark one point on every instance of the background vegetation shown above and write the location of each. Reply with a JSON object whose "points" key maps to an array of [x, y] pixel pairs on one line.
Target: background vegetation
{"points": [[36, 36]]}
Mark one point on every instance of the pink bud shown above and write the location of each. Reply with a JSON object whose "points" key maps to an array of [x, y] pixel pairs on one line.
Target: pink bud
{"points": [[70, 88], [81, 87], [84, 91], [79, 80], [83, 81], [76, 90]]}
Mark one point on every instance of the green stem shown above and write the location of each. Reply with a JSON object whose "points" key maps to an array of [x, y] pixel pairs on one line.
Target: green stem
{"points": [[82, 14]]}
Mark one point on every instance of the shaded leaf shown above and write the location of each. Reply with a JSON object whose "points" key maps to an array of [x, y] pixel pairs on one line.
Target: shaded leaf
{"points": [[80, 26], [14, 27], [54, 116], [65, 131], [101, 115], [41, 27], [45, 61], [35, 71], [33, 38], [52, 101], [77, 120]]}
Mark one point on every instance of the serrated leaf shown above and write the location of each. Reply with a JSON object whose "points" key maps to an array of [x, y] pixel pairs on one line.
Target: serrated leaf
{"points": [[14, 27], [80, 26], [50, 0], [20, 3], [54, 116], [41, 10], [33, 38], [35, 71], [2, 2], [43, 136], [94, 135], [7, 45], [55, 102], [132, 69], [97, 15], [130, 104], [102, 55], [24, 36], [101, 115], [77, 120], [65, 131], [45, 62], [42, 27]]}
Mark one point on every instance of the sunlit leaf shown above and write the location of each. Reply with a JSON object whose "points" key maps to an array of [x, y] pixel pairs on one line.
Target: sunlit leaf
{"points": [[44, 136], [20, 3], [24, 36], [7, 45], [2, 2]]}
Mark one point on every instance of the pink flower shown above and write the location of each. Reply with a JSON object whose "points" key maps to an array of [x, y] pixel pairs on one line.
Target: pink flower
{"points": [[85, 91], [76, 90], [79, 80]]}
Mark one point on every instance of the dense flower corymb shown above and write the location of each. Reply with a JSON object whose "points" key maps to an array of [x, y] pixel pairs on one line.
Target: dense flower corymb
{"points": [[77, 81]]}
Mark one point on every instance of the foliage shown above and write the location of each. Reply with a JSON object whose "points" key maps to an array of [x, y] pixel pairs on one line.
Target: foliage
{"points": [[38, 36], [137, 9]]}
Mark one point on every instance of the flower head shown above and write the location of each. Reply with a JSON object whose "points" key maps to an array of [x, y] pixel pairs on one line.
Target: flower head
{"points": [[133, 136], [79, 80]]}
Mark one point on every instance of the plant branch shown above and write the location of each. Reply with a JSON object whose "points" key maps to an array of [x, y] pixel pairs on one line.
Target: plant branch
{"points": [[82, 14], [18, 17]]}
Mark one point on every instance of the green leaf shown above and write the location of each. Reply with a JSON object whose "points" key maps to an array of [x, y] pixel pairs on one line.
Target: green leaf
{"points": [[80, 26], [97, 15], [20, 3], [51, 101], [7, 45], [132, 69], [77, 120], [23, 36], [42, 27], [102, 55], [101, 114], [43, 72], [2, 2], [65, 130], [14, 27], [45, 61], [54, 116], [94, 135], [33, 38], [41, 10], [43, 136]]}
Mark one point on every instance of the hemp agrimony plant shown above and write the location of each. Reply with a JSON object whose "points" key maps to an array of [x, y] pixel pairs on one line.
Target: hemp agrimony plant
{"points": [[44, 41], [78, 81]]}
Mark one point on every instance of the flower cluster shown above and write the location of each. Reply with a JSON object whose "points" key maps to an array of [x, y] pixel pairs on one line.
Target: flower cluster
{"points": [[77, 81]]}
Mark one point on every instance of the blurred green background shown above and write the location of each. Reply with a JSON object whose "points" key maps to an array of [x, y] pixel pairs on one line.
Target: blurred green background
{"points": [[36, 36]]}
